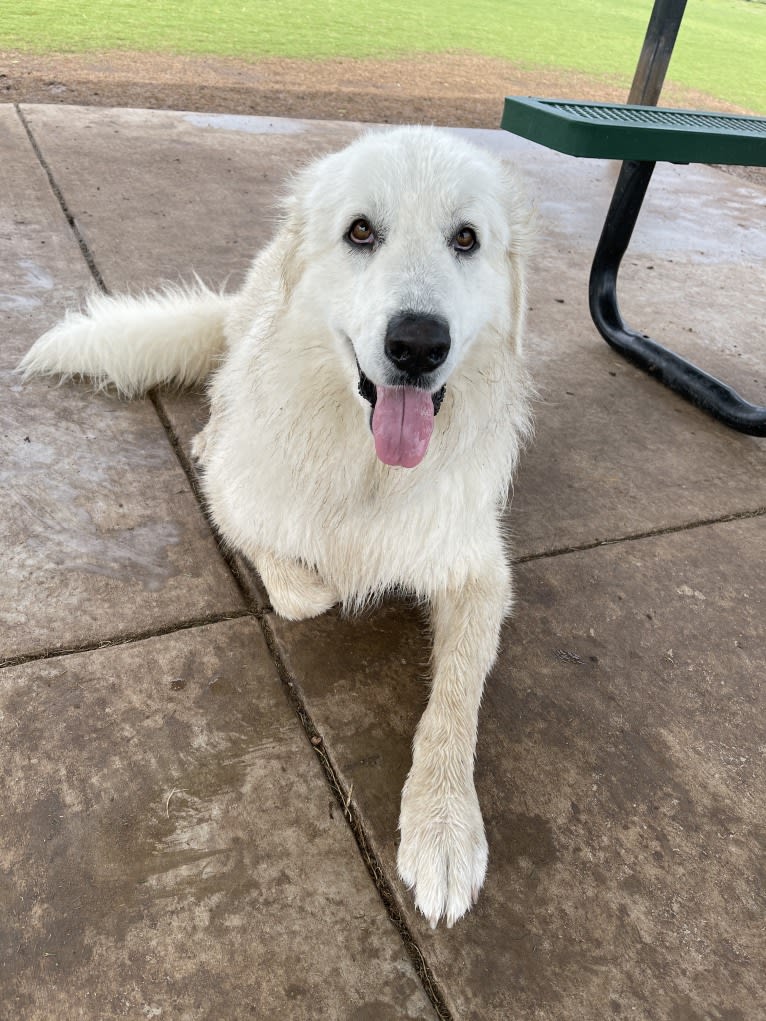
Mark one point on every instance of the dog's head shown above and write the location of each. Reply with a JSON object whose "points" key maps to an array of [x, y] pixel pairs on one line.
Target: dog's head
{"points": [[410, 244]]}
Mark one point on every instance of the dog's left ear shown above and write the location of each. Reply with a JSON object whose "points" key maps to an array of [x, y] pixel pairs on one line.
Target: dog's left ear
{"points": [[519, 217]]}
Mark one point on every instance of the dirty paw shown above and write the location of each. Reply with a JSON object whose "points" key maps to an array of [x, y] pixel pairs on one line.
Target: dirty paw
{"points": [[442, 855]]}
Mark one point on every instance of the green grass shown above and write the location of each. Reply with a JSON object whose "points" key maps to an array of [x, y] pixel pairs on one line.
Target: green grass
{"points": [[721, 48]]}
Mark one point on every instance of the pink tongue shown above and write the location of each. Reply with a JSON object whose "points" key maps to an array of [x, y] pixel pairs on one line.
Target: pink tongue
{"points": [[402, 423]]}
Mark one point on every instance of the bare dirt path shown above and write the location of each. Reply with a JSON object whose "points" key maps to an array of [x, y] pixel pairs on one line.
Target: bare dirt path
{"points": [[454, 89]]}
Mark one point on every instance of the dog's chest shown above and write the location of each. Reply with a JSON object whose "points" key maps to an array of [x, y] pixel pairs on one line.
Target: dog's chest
{"points": [[363, 525], [290, 467]]}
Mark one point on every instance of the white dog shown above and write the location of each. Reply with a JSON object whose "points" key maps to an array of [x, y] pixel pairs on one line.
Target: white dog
{"points": [[368, 402]]}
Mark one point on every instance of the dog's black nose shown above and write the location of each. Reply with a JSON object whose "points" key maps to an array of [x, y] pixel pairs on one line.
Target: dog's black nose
{"points": [[417, 344]]}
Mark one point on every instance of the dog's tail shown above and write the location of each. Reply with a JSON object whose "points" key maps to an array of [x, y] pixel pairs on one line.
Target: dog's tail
{"points": [[134, 343]]}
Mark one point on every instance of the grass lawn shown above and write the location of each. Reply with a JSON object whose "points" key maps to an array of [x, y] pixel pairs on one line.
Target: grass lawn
{"points": [[721, 48]]}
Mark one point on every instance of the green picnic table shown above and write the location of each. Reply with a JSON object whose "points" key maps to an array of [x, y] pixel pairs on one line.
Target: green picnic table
{"points": [[641, 134]]}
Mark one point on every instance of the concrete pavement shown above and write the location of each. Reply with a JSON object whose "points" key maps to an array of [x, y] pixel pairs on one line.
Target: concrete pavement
{"points": [[174, 844]]}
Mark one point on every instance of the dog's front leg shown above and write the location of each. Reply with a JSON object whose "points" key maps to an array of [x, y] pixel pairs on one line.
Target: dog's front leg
{"points": [[443, 849]]}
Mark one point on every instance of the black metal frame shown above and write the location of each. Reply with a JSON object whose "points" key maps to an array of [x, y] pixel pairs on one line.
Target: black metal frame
{"points": [[686, 379], [661, 34]]}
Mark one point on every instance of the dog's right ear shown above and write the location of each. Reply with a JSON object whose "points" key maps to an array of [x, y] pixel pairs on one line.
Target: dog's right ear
{"points": [[305, 199], [291, 239]]}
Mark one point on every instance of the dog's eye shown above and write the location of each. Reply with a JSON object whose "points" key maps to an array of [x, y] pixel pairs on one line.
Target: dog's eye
{"points": [[465, 240], [361, 233]]}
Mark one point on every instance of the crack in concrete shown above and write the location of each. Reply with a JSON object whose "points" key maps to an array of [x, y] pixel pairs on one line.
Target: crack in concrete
{"points": [[688, 526], [127, 639], [344, 799], [70, 219]]}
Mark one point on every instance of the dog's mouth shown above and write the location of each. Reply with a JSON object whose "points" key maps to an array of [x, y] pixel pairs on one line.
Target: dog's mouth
{"points": [[402, 420]]}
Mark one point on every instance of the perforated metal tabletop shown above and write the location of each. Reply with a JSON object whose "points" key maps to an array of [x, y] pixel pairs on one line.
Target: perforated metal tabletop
{"points": [[648, 133]]}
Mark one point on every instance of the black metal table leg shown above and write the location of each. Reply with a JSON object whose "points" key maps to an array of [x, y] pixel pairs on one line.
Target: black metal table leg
{"points": [[687, 379]]}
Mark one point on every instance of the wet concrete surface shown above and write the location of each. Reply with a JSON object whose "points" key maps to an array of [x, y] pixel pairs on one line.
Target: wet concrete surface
{"points": [[101, 533], [621, 762], [103, 536], [170, 848], [621, 774]]}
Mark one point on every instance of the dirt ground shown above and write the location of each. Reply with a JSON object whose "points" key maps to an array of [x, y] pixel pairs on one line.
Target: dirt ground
{"points": [[459, 89]]}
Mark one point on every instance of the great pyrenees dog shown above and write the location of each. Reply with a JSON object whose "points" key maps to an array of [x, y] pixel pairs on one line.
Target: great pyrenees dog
{"points": [[368, 402]]}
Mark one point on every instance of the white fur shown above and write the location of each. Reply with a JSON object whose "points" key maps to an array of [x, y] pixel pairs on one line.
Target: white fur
{"points": [[115, 340], [288, 464]]}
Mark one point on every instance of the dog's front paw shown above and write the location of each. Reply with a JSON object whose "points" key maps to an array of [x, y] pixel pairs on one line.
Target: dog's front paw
{"points": [[443, 851], [296, 592], [302, 603]]}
